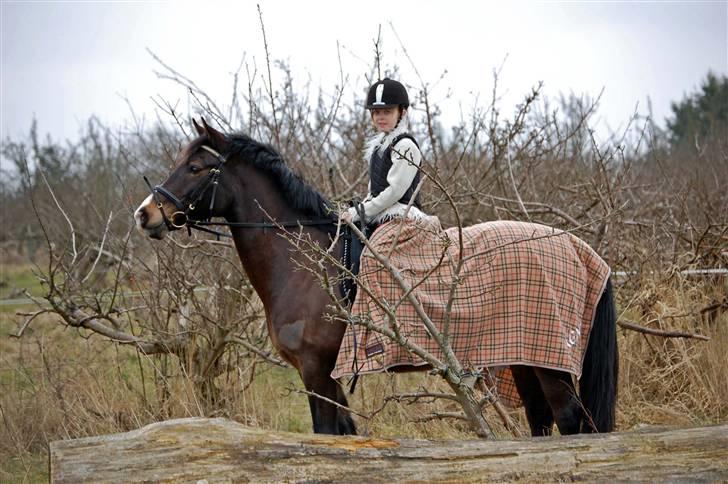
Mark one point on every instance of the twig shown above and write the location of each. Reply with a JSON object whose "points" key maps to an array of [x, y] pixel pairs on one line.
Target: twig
{"points": [[538, 207], [425, 97], [513, 182], [332, 402], [270, 79], [73, 231], [499, 408], [418, 395], [31, 317], [77, 318], [263, 354], [378, 53], [659, 332], [191, 87], [441, 416], [100, 249]]}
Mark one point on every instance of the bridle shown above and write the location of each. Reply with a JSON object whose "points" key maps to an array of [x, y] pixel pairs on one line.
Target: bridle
{"points": [[182, 217]]}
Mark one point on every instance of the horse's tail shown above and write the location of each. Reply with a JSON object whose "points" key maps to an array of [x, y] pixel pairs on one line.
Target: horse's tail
{"points": [[598, 383]]}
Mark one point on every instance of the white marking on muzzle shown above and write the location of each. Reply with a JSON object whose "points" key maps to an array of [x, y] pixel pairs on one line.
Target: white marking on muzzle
{"points": [[138, 212]]}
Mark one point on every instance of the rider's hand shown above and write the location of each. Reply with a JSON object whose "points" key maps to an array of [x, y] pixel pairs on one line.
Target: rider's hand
{"points": [[346, 216]]}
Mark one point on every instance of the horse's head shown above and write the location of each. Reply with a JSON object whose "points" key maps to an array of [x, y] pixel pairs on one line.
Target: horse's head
{"points": [[195, 190]]}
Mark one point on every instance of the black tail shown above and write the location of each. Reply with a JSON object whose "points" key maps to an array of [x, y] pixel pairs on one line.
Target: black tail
{"points": [[598, 384]]}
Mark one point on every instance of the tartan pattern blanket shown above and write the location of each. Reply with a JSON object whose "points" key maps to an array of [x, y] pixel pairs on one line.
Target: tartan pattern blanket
{"points": [[526, 294]]}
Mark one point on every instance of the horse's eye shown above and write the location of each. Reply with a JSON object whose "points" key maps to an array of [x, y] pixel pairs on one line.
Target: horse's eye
{"points": [[195, 169]]}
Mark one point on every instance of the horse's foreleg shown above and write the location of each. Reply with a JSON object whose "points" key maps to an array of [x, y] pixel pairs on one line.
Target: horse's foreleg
{"points": [[327, 418], [344, 421], [323, 413]]}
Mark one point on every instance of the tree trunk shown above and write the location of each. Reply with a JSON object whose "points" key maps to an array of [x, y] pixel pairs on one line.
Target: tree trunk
{"points": [[215, 450]]}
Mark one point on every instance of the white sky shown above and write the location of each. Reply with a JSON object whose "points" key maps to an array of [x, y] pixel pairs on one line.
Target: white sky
{"points": [[64, 61]]}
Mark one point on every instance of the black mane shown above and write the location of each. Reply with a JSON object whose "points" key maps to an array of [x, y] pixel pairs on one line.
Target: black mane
{"points": [[297, 192]]}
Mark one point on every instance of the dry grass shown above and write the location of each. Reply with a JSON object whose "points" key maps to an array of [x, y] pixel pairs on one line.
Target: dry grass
{"points": [[674, 381]]}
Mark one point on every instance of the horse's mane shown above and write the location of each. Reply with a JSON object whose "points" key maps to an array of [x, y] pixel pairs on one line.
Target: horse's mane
{"points": [[300, 195]]}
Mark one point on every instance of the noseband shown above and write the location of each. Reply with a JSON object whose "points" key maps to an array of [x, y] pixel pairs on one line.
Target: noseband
{"points": [[181, 218]]}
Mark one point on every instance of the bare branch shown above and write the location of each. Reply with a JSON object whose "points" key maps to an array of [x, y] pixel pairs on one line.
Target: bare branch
{"points": [[659, 332], [332, 402], [277, 130], [100, 249], [63, 212]]}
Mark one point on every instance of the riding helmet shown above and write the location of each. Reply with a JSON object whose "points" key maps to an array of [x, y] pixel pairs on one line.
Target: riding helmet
{"points": [[387, 93]]}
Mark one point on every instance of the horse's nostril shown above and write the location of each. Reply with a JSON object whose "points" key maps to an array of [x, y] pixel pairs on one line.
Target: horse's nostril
{"points": [[143, 217]]}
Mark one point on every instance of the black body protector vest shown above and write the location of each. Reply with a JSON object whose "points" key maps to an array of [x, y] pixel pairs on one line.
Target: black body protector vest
{"points": [[379, 166]]}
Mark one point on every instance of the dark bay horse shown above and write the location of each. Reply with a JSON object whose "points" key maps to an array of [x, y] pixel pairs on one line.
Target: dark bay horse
{"points": [[248, 184]]}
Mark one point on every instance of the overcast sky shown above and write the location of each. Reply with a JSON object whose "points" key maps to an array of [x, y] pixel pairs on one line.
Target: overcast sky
{"points": [[64, 61]]}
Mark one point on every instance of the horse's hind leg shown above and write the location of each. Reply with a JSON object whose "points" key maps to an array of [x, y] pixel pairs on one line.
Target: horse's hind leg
{"points": [[538, 412], [560, 393]]}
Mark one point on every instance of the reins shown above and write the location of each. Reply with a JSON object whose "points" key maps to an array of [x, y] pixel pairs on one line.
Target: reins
{"points": [[181, 218]]}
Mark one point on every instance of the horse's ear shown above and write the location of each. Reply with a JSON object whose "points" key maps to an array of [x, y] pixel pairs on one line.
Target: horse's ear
{"points": [[200, 129], [217, 139]]}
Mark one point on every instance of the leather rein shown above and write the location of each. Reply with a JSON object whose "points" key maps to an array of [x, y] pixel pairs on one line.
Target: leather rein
{"points": [[181, 218]]}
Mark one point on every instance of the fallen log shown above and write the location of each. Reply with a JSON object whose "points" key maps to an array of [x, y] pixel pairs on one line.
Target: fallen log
{"points": [[214, 450]]}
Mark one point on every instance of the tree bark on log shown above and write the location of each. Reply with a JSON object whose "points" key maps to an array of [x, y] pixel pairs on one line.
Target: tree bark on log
{"points": [[220, 450]]}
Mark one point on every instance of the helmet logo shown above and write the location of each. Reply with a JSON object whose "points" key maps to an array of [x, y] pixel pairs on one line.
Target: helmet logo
{"points": [[380, 91], [396, 94]]}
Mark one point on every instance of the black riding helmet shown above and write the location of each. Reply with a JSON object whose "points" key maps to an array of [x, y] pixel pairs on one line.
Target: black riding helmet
{"points": [[387, 93]]}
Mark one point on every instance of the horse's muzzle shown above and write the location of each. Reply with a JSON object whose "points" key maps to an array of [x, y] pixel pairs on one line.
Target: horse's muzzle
{"points": [[149, 219]]}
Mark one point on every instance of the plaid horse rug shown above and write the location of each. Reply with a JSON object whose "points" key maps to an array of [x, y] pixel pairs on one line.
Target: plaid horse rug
{"points": [[526, 294]]}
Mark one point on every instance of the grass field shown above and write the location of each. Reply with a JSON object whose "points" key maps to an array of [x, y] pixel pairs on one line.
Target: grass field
{"points": [[14, 279]]}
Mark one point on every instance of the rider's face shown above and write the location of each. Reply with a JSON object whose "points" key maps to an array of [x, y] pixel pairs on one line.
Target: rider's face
{"points": [[385, 119]]}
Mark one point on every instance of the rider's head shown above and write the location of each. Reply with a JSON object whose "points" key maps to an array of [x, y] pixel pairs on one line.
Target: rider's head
{"points": [[388, 102]]}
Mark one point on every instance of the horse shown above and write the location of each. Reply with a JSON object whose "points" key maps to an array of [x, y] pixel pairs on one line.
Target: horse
{"points": [[248, 184]]}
